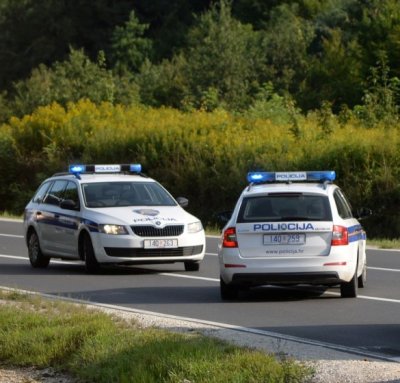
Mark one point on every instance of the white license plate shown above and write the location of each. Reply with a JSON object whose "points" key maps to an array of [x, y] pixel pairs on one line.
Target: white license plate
{"points": [[160, 243], [284, 239]]}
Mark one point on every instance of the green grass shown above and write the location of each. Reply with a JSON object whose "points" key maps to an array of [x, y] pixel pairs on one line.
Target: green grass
{"points": [[5, 214], [384, 243], [94, 346]]}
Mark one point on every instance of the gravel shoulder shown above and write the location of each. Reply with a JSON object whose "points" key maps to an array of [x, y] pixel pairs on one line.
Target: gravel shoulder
{"points": [[330, 366]]}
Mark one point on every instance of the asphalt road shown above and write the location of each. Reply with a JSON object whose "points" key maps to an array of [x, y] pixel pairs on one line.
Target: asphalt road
{"points": [[369, 324]]}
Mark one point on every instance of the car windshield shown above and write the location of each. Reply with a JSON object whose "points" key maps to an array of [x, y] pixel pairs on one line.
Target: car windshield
{"points": [[285, 207], [111, 194]]}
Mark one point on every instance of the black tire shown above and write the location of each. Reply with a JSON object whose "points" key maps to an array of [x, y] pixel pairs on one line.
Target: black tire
{"points": [[192, 266], [228, 292], [362, 279], [36, 257], [349, 289], [92, 266]]}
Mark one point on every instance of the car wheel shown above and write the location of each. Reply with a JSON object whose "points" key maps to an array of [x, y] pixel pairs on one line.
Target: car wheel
{"points": [[36, 257], [362, 279], [349, 289], [192, 266], [91, 264], [228, 292]]}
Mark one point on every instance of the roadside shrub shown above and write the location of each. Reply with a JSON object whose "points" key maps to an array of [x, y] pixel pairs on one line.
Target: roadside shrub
{"points": [[205, 156]]}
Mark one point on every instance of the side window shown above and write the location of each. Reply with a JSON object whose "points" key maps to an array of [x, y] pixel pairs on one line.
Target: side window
{"points": [[342, 205], [55, 194], [71, 192], [41, 192]]}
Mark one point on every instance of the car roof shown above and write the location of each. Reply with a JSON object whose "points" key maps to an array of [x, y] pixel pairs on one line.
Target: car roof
{"points": [[108, 177], [319, 188]]}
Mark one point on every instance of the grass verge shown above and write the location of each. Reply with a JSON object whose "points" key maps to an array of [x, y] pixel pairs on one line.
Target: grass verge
{"points": [[96, 347], [384, 243]]}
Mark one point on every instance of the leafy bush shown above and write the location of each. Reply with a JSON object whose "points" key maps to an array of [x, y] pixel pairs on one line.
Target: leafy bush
{"points": [[69, 81], [205, 156]]}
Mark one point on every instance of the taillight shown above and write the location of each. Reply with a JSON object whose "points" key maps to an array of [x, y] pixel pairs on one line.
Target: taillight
{"points": [[230, 238], [340, 236]]}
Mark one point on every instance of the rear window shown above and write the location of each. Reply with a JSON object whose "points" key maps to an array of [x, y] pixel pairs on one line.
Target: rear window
{"points": [[285, 207]]}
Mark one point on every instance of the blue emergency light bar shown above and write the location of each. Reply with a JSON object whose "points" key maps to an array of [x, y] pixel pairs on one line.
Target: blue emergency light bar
{"points": [[316, 176], [80, 168]]}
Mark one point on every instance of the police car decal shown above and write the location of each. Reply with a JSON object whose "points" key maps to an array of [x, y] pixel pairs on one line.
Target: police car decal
{"points": [[155, 219], [356, 233], [275, 227], [60, 220], [91, 225], [290, 226]]}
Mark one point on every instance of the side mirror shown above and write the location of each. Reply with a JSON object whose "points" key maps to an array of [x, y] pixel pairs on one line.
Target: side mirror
{"points": [[69, 204], [182, 201], [363, 212]]}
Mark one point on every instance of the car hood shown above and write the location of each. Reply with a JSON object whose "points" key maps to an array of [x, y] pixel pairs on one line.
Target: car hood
{"points": [[158, 216]]}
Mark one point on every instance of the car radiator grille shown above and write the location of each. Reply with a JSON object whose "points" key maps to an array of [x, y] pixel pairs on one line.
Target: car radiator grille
{"points": [[129, 252], [151, 231]]}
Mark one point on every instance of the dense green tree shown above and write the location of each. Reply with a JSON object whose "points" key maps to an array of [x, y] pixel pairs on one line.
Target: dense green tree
{"points": [[223, 57], [288, 37], [69, 81], [200, 53], [376, 25], [34, 32], [169, 22], [129, 47], [335, 74], [164, 84]]}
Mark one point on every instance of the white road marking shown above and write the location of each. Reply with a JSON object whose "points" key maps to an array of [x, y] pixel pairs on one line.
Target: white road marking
{"points": [[11, 235], [189, 277], [383, 269], [195, 277], [52, 261]]}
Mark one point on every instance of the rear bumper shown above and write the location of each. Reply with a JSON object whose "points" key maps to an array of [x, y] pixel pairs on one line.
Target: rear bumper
{"points": [[337, 267], [310, 278]]}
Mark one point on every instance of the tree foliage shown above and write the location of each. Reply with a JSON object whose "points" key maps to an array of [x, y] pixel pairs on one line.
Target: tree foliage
{"points": [[129, 47], [69, 81], [208, 54]]}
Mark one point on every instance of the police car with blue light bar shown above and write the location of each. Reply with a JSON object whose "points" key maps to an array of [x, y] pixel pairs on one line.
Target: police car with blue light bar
{"points": [[291, 228], [110, 214]]}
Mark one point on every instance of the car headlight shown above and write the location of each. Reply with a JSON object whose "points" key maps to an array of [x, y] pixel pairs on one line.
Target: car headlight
{"points": [[195, 227], [113, 229]]}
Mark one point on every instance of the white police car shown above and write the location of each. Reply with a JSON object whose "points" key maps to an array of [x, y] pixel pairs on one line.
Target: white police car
{"points": [[110, 214], [292, 228]]}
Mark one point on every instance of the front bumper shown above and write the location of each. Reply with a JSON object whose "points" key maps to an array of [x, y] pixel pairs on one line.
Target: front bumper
{"points": [[129, 249]]}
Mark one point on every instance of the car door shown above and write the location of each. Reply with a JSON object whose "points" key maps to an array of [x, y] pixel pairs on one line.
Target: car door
{"points": [[49, 218], [68, 222]]}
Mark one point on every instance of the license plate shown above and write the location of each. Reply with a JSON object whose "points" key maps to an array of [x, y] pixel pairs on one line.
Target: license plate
{"points": [[284, 239], [160, 243]]}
